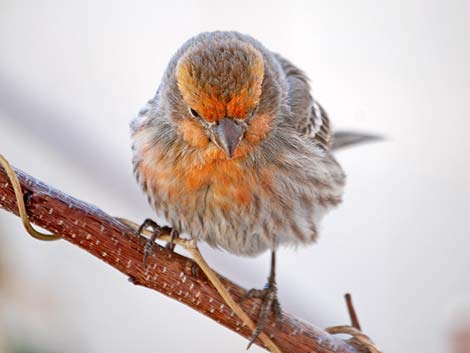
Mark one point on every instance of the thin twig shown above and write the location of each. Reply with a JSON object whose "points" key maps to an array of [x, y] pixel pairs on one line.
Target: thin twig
{"points": [[352, 312], [21, 205]]}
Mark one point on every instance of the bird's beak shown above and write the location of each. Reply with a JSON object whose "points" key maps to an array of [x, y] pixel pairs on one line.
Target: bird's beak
{"points": [[228, 134]]}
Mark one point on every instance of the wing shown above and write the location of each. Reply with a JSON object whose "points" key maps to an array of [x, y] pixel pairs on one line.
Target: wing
{"points": [[308, 116]]}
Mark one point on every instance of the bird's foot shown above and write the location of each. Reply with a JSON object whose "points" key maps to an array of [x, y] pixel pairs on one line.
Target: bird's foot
{"points": [[157, 231], [270, 305]]}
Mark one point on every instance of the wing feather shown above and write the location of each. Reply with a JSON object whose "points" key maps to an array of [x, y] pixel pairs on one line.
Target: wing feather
{"points": [[308, 116]]}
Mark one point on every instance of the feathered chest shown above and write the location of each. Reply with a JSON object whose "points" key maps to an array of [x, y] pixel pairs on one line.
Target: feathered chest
{"points": [[185, 179], [239, 206]]}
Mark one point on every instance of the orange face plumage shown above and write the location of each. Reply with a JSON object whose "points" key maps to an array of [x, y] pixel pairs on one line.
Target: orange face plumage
{"points": [[221, 81]]}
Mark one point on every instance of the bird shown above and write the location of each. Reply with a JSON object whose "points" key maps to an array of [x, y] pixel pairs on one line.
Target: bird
{"points": [[235, 151]]}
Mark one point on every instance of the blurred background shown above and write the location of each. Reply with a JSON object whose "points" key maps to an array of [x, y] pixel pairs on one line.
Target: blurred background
{"points": [[73, 74]]}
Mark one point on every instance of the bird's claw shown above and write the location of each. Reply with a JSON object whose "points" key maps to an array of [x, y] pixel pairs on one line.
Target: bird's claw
{"points": [[173, 236], [148, 249], [156, 232], [270, 304]]}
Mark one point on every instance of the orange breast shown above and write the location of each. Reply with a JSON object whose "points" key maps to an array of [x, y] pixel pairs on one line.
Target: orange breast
{"points": [[229, 182]]}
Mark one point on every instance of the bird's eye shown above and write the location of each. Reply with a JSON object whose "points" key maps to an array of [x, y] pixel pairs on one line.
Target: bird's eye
{"points": [[194, 113]]}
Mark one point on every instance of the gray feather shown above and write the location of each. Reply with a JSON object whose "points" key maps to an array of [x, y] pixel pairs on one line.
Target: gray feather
{"points": [[343, 139]]}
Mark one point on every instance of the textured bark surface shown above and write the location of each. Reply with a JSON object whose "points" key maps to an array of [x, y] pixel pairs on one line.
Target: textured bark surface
{"points": [[168, 273]]}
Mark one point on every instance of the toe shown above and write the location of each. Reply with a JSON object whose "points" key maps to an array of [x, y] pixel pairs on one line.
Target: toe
{"points": [[253, 293], [277, 312], [265, 310]]}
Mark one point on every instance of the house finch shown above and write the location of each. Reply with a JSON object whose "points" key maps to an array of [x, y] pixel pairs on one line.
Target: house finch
{"points": [[234, 151]]}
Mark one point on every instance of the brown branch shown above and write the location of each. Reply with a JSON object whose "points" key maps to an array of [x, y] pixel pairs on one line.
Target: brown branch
{"points": [[169, 273]]}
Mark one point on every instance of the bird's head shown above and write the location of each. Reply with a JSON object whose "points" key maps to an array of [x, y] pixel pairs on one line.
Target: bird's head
{"points": [[220, 84]]}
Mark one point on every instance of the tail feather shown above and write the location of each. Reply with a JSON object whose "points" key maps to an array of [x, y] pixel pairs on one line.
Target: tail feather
{"points": [[342, 139]]}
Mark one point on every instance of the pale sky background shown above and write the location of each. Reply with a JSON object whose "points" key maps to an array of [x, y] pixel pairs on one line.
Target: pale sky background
{"points": [[73, 74]]}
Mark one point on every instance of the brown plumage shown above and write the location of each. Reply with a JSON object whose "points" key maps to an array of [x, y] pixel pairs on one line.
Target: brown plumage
{"points": [[234, 151]]}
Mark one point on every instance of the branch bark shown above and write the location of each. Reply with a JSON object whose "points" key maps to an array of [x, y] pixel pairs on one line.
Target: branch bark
{"points": [[167, 272]]}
